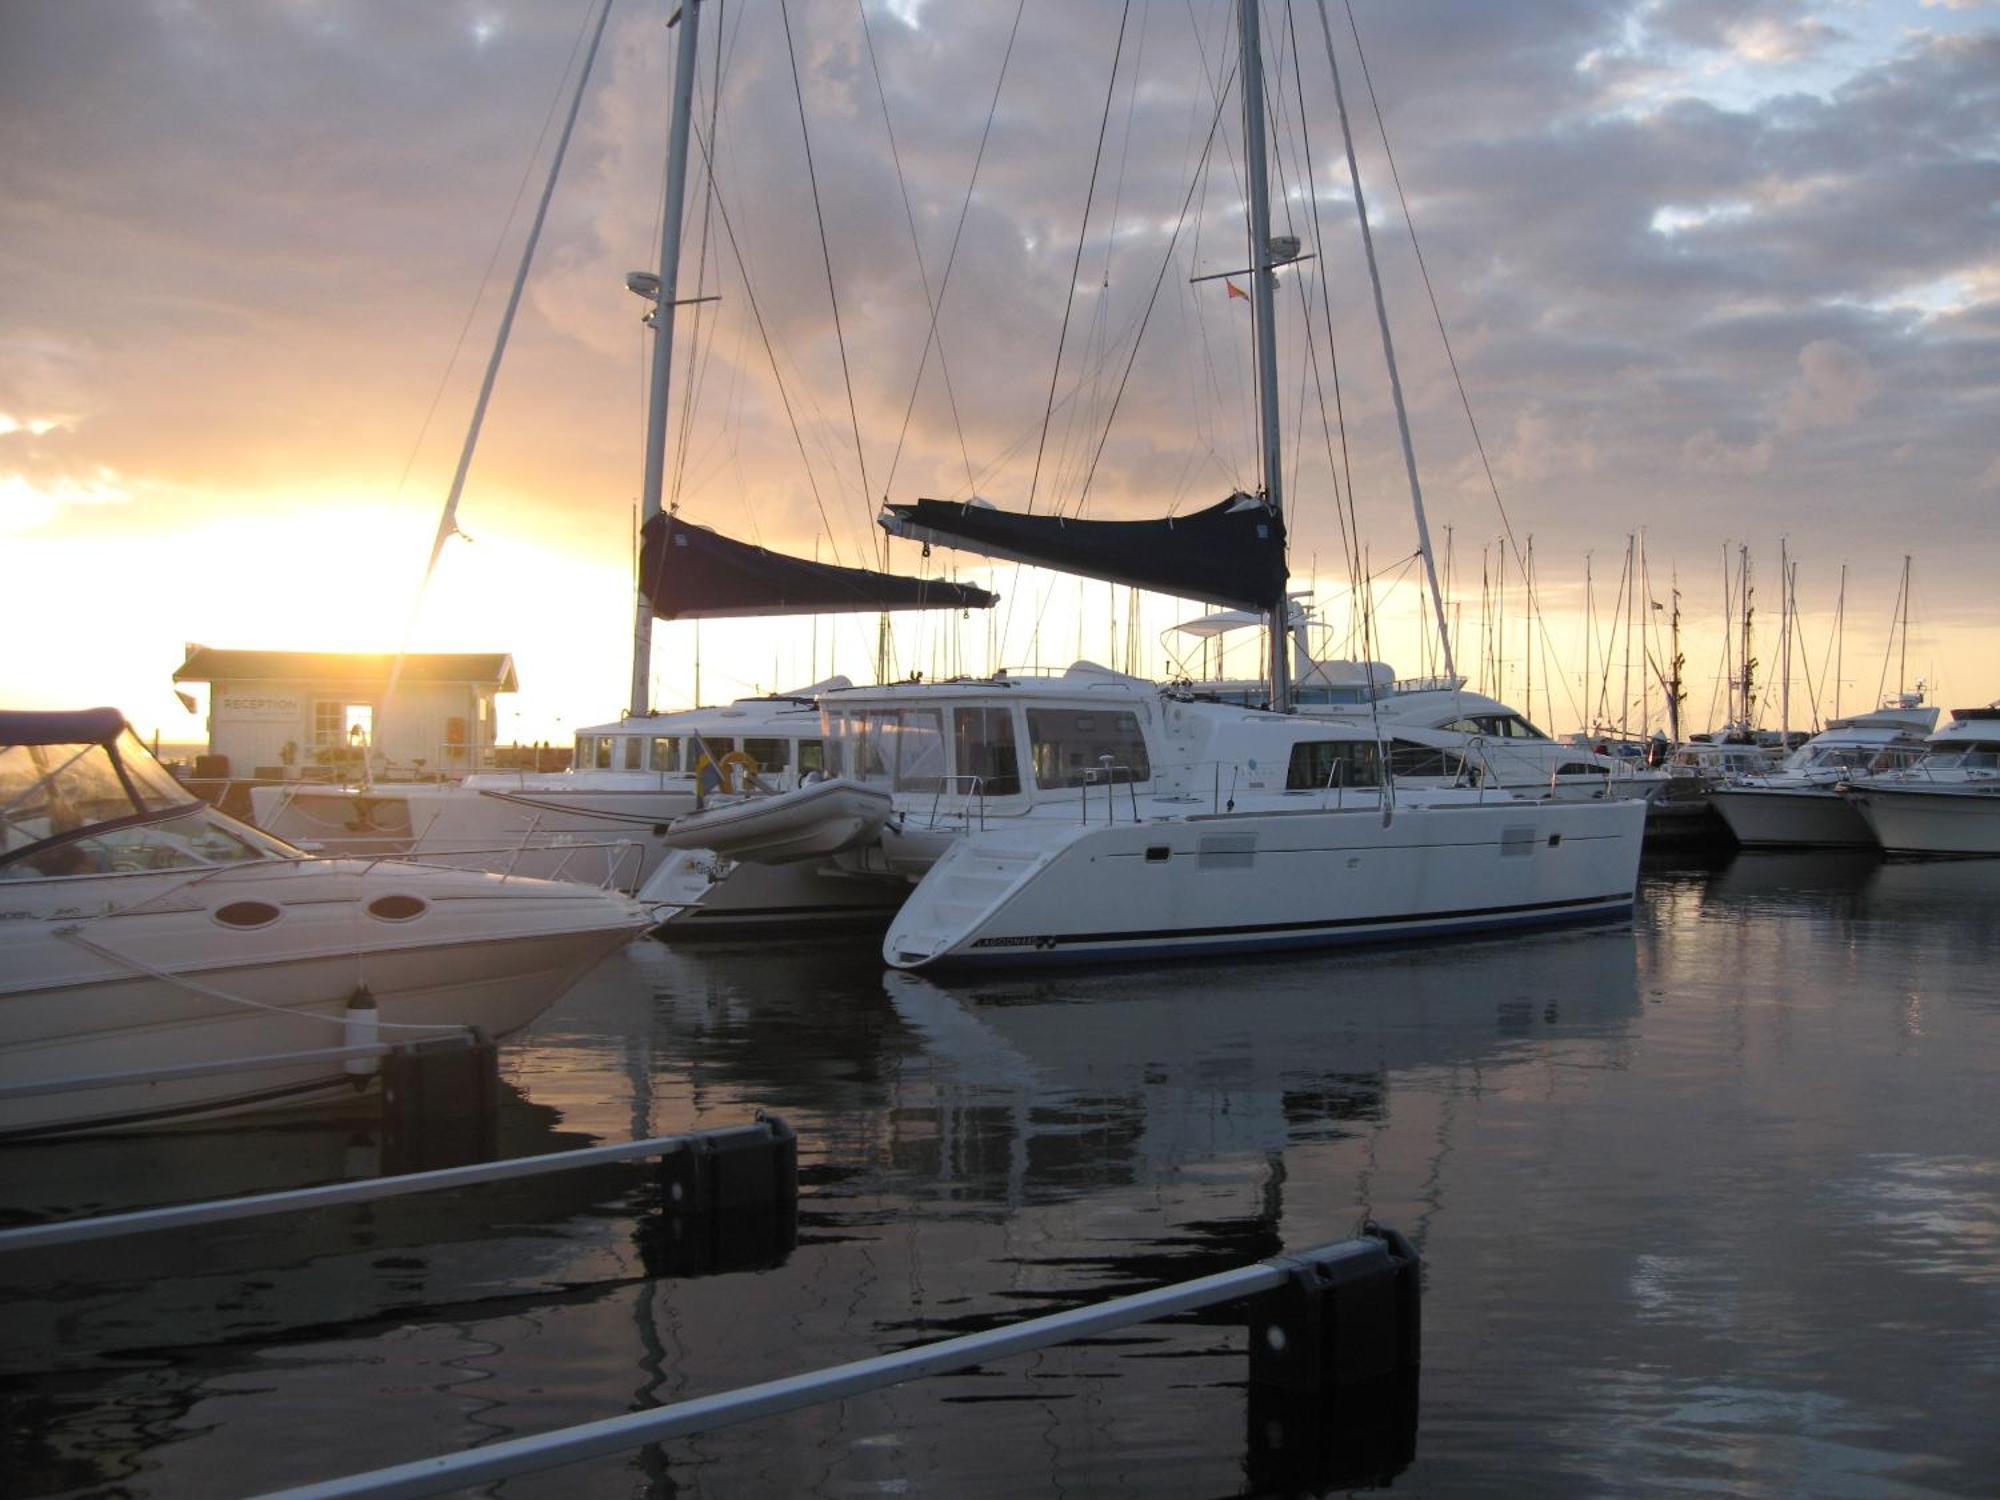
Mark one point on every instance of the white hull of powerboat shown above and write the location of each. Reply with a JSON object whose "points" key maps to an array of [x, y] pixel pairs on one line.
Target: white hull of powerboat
{"points": [[157, 957], [135, 973], [1911, 818], [811, 822], [1774, 817], [1250, 882]]}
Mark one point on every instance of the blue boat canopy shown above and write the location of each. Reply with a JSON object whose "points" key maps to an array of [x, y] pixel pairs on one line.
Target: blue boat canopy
{"points": [[692, 573], [77, 726]]}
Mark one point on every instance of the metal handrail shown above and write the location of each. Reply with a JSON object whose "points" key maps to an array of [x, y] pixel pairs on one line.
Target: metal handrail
{"points": [[188, 1215], [495, 1461], [1109, 771], [976, 788]]}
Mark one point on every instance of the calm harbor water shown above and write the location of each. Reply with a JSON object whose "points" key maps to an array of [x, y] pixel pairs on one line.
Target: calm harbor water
{"points": [[1709, 1202]]}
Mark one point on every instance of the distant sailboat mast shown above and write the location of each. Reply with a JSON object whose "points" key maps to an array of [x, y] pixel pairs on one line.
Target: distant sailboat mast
{"points": [[662, 289]]}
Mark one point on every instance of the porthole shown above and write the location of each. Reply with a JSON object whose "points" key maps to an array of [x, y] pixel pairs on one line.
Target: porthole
{"points": [[397, 908], [248, 914]]}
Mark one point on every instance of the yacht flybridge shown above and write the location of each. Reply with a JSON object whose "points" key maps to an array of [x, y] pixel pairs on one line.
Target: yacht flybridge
{"points": [[146, 939], [1798, 805]]}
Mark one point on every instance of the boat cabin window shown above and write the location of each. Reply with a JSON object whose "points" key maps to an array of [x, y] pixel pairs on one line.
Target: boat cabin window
{"points": [[1979, 755], [1319, 764], [1496, 727], [1315, 697], [983, 745], [593, 752], [1408, 759], [1068, 746], [770, 755], [811, 756], [902, 748], [708, 747], [666, 753], [634, 748]]}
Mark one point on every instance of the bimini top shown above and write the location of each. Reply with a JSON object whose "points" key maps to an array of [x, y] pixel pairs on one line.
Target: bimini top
{"points": [[691, 573], [76, 726], [1232, 553]]}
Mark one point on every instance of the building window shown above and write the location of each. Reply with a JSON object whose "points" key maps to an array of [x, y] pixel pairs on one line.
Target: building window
{"points": [[329, 724]]}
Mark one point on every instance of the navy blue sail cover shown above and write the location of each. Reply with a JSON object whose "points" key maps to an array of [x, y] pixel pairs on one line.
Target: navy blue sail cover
{"points": [[1231, 553], [692, 573], [80, 726]]}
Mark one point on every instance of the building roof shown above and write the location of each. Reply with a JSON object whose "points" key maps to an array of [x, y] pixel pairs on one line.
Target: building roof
{"points": [[494, 669]]}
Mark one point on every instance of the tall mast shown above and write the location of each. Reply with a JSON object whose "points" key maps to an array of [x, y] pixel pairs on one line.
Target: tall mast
{"points": [[1388, 345], [1263, 272], [1903, 661], [1749, 665], [1839, 637], [1787, 603], [663, 337]]}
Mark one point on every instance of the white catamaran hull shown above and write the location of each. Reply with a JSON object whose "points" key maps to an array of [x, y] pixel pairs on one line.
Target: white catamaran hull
{"points": [[1790, 817], [1909, 819], [696, 892], [1260, 881]]}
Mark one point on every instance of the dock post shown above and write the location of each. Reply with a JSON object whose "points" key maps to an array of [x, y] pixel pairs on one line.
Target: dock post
{"points": [[1334, 1358], [440, 1104], [728, 1205]]}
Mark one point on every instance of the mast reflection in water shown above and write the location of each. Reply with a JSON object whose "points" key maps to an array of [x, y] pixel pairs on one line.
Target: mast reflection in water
{"points": [[1714, 1200]]}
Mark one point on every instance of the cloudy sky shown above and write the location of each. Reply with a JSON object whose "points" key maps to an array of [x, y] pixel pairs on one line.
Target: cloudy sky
{"points": [[1716, 273]]}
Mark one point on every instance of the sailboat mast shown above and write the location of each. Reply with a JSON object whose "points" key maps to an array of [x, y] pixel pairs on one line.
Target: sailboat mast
{"points": [[663, 337], [1903, 661], [1262, 275], [1388, 345]]}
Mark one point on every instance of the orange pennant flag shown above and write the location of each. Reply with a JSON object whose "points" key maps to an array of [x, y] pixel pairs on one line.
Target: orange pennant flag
{"points": [[1235, 290]]}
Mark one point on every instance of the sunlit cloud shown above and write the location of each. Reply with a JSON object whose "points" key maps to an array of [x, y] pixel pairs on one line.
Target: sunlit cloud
{"points": [[33, 426], [27, 504]]}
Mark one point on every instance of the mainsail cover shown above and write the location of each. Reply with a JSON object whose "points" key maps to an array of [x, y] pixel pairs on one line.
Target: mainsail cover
{"points": [[691, 573], [1231, 553]]}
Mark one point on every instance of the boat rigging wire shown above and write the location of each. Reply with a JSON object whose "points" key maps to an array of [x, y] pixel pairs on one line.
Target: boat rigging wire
{"points": [[1451, 358], [936, 304], [447, 526], [1076, 265], [826, 258]]}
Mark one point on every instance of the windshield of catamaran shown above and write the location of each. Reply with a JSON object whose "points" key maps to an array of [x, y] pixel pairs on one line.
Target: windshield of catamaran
{"points": [[69, 809], [1072, 747], [902, 749]]}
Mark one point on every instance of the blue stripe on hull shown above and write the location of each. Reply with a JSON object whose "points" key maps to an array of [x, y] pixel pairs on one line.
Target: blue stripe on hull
{"points": [[1064, 953]]}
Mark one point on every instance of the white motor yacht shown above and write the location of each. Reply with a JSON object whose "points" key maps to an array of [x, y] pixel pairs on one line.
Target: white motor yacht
{"points": [[1949, 801], [599, 822], [142, 930], [1798, 806]]}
